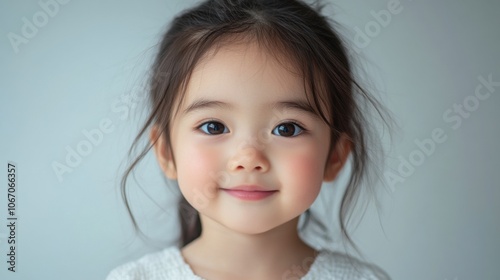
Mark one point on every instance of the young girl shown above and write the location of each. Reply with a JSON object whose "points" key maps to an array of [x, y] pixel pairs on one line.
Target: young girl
{"points": [[254, 105]]}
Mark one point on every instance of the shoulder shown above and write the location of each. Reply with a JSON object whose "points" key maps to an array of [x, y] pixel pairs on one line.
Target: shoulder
{"points": [[336, 265], [166, 264]]}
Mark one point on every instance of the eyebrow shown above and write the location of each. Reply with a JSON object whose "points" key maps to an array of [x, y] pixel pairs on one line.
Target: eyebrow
{"points": [[297, 105], [205, 104]]}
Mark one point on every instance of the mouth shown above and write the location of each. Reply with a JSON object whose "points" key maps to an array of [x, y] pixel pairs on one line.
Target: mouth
{"points": [[250, 192]]}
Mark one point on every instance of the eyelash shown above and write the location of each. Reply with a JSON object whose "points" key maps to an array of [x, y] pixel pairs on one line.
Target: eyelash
{"points": [[208, 122], [296, 124]]}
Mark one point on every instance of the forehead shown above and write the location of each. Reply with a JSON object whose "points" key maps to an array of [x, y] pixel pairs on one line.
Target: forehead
{"points": [[244, 73]]}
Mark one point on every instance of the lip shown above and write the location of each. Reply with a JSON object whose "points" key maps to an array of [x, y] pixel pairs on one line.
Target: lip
{"points": [[249, 192]]}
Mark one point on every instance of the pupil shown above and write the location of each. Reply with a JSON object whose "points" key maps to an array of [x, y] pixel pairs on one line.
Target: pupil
{"points": [[286, 130], [214, 128]]}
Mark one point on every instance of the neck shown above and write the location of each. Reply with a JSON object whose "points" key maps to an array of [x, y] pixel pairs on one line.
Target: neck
{"points": [[268, 253]]}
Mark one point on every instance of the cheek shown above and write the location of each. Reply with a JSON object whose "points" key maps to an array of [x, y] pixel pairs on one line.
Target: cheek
{"points": [[194, 160], [305, 168], [303, 172], [196, 172]]}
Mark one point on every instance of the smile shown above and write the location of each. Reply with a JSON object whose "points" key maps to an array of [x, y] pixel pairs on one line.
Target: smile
{"points": [[249, 192]]}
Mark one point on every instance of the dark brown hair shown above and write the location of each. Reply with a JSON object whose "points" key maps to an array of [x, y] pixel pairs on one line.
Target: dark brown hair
{"points": [[288, 29]]}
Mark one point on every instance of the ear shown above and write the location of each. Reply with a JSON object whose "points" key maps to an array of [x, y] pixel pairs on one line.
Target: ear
{"points": [[337, 158], [163, 153]]}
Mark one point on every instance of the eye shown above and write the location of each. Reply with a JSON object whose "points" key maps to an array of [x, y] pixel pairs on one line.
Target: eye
{"points": [[289, 129], [213, 128]]}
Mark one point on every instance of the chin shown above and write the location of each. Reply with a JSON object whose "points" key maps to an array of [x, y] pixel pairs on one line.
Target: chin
{"points": [[252, 225], [250, 229]]}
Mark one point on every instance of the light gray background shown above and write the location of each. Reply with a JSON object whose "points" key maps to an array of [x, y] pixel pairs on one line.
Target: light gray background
{"points": [[76, 71]]}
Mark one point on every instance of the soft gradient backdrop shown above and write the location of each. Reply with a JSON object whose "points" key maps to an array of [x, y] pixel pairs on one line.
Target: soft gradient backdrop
{"points": [[71, 69]]}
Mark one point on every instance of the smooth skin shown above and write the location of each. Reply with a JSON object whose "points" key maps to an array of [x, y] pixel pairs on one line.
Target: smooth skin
{"points": [[244, 121]]}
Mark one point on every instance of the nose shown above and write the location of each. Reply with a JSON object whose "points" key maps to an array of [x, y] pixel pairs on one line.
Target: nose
{"points": [[249, 159]]}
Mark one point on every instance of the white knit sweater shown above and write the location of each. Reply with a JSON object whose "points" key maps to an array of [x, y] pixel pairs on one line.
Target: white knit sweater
{"points": [[169, 264]]}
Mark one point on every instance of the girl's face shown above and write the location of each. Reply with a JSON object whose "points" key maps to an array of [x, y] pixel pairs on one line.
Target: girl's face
{"points": [[245, 122]]}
